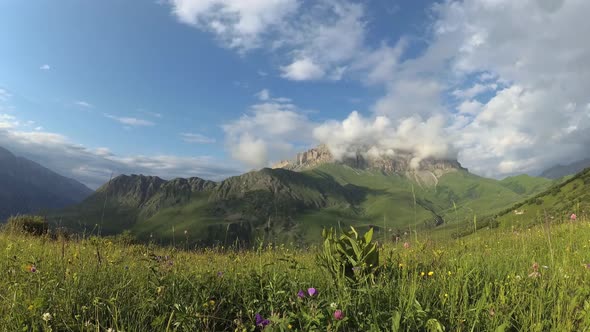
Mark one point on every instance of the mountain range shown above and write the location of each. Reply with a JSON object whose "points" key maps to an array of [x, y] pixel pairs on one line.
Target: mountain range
{"points": [[26, 187], [292, 201]]}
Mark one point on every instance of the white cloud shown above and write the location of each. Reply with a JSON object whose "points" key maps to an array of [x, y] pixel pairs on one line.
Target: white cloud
{"points": [[534, 51], [471, 107], [4, 94], [324, 41], [318, 40], [302, 70], [263, 95], [270, 131], [380, 136], [83, 104], [238, 24], [411, 97], [45, 67], [381, 64], [130, 121], [474, 91], [94, 167], [7, 121], [196, 138]]}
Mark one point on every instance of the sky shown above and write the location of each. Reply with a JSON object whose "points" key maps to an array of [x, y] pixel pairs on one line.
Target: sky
{"points": [[214, 88]]}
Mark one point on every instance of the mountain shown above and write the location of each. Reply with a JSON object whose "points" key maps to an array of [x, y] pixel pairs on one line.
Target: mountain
{"points": [[556, 203], [291, 203], [26, 186], [559, 171], [400, 163]]}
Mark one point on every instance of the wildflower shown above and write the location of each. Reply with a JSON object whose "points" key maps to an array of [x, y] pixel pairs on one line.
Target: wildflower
{"points": [[430, 274], [449, 273], [301, 294], [261, 321], [573, 217], [220, 274], [33, 269], [422, 273], [185, 232], [212, 302], [407, 245], [338, 314], [333, 305], [289, 326], [312, 292], [535, 273], [30, 307], [401, 265], [46, 317], [446, 295], [492, 312], [110, 330]]}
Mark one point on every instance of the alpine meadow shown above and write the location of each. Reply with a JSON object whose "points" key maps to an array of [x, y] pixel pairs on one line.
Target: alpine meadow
{"points": [[295, 165]]}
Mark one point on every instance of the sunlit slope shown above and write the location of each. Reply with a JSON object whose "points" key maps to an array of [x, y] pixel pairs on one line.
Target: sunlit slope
{"points": [[555, 204]]}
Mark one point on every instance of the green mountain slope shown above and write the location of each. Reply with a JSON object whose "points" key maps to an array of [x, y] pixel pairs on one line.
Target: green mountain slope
{"points": [[556, 203], [287, 206]]}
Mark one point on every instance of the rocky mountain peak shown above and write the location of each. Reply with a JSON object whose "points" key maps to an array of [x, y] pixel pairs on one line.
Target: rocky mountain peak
{"points": [[400, 162]]}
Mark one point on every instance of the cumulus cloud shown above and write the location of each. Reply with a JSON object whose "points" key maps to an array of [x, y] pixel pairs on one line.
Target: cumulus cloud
{"points": [[196, 138], [302, 70], [130, 121], [94, 167], [382, 137], [45, 67], [271, 130], [531, 51]]}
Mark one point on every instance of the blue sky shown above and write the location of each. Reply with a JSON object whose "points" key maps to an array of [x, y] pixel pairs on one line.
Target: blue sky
{"points": [[213, 88]]}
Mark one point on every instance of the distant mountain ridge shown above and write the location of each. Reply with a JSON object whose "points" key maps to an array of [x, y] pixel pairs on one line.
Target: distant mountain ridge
{"points": [[559, 171], [26, 186]]}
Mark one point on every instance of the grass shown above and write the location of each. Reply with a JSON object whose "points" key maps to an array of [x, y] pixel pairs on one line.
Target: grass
{"points": [[484, 282]]}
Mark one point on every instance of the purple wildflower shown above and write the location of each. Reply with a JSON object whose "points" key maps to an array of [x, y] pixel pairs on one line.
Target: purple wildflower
{"points": [[312, 292], [338, 314], [33, 269], [301, 294], [220, 274], [261, 321]]}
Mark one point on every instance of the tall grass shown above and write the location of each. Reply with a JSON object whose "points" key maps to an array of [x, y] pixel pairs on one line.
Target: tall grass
{"points": [[481, 283]]}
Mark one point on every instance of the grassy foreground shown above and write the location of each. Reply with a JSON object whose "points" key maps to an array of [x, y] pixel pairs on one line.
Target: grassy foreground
{"points": [[530, 280]]}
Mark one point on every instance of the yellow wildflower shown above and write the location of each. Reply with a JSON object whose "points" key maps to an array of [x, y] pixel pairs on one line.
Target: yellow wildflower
{"points": [[430, 274]]}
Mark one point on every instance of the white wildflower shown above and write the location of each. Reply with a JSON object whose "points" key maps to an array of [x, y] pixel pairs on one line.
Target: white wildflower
{"points": [[46, 317]]}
